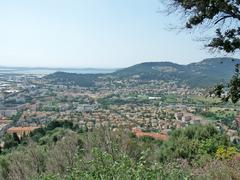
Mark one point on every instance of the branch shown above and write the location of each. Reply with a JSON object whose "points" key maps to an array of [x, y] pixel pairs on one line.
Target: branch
{"points": [[223, 18]]}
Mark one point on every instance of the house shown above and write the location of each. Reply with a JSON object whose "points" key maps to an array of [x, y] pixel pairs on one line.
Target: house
{"points": [[21, 131], [8, 113], [1, 146], [237, 120], [178, 116], [186, 118], [159, 136], [85, 108], [232, 132], [196, 121], [235, 139]]}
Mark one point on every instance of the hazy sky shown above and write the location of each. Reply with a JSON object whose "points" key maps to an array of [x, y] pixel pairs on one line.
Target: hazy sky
{"points": [[91, 33]]}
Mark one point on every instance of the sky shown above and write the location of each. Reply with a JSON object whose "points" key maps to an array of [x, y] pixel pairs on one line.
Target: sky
{"points": [[92, 33]]}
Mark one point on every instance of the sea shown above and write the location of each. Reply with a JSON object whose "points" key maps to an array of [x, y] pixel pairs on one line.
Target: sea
{"points": [[53, 70]]}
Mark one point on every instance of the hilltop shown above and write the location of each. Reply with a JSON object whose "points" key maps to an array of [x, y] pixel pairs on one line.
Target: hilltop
{"points": [[201, 74]]}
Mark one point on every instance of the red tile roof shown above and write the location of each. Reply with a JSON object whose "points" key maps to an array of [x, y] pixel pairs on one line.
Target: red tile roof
{"points": [[21, 129], [158, 136]]}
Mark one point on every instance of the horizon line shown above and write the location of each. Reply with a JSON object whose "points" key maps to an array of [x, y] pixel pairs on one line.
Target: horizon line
{"points": [[103, 68]]}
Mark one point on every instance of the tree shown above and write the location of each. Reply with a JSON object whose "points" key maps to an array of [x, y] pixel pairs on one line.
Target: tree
{"points": [[231, 91], [223, 15], [10, 141]]}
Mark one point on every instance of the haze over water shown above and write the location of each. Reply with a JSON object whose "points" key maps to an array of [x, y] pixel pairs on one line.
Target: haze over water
{"points": [[53, 70]]}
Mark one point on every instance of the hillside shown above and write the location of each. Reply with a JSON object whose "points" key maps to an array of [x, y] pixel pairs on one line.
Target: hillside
{"points": [[211, 71], [72, 79], [202, 74]]}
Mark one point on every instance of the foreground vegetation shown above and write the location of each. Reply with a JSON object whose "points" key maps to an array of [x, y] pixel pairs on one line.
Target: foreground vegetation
{"points": [[62, 151]]}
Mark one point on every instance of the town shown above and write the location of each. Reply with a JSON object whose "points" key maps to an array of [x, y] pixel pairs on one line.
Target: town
{"points": [[28, 102]]}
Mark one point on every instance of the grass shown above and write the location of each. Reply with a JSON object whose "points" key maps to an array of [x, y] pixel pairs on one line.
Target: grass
{"points": [[205, 100]]}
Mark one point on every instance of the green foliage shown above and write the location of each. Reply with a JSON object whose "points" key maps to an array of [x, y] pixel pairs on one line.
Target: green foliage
{"points": [[72, 79], [32, 161], [105, 166], [192, 142], [227, 36], [228, 41], [232, 88], [103, 154], [226, 117], [226, 152], [5, 167], [10, 141], [16, 117], [213, 13], [54, 131]]}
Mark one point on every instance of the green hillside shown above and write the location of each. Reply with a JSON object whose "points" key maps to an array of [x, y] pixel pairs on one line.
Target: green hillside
{"points": [[201, 74]]}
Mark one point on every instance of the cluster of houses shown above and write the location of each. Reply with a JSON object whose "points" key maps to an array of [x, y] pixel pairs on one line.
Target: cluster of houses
{"points": [[37, 103]]}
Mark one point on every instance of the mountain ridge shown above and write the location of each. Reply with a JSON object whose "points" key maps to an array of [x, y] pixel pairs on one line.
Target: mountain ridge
{"points": [[202, 74]]}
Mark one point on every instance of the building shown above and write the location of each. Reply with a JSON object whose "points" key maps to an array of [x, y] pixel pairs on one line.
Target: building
{"points": [[186, 118], [21, 131], [159, 136], [178, 116]]}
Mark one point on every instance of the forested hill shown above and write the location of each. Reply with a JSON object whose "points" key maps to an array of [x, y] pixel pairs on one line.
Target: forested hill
{"points": [[202, 74]]}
